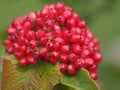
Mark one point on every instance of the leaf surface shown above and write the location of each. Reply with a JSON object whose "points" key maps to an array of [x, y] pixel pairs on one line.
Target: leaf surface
{"points": [[79, 81], [42, 76]]}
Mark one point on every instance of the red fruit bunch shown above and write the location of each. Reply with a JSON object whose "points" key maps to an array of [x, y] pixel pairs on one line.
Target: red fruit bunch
{"points": [[54, 34]]}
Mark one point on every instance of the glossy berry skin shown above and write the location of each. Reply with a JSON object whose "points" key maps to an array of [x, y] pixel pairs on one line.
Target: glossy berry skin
{"points": [[23, 62], [54, 34], [78, 64], [31, 60], [62, 67], [71, 70], [93, 76]]}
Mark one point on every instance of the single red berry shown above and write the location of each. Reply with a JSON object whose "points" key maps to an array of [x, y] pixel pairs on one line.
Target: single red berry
{"points": [[23, 48], [63, 58], [78, 63], [60, 7], [75, 38], [11, 31], [22, 40], [57, 31], [93, 75], [40, 21], [33, 44], [89, 62], [40, 33], [70, 23], [65, 49], [18, 54], [43, 40], [97, 57], [16, 46], [60, 19], [53, 60], [49, 24], [32, 16], [92, 68], [60, 40], [30, 52], [55, 54], [17, 22], [62, 67], [85, 53], [43, 51], [67, 13], [7, 42], [23, 61], [26, 26], [72, 57], [50, 46], [82, 24], [30, 35], [66, 34], [76, 49], [10, 50], [31, 60], [71, 70], [75, 16]]}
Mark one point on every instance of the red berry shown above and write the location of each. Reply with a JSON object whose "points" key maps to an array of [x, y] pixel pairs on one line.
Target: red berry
{"points": [[31, 35], [78, 63], [55, 54], [72, 57], [50, 46], [75, 16], [23, 62], [27, 26], [60, 7], [92, 68], [63, 58], [62, 67], [71, 70], [76, 49], [40, 21], [75, 38], [32, 16], [16, 46], [18, 54], [67, 14], [60, 19], [53, 61], [89, 62], [97, 57], [11, 31], [7, 42], [43, 51], [33, 44], [70, 23], [93, 76], [31, 60], [43, 40], [85, 53], [40, 33], [65, 49], [82, 24], [49, 24]]}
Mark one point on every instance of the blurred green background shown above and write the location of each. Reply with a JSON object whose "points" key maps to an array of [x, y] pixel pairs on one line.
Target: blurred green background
{"points": [[103, 18]]}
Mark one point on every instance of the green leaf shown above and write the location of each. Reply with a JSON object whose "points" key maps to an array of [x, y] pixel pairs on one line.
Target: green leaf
{"points": [[62, 87], [80, 81], [42, 76]]}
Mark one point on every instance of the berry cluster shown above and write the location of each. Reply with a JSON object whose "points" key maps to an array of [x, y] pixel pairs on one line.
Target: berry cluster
{"points": [[54, 34]]}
